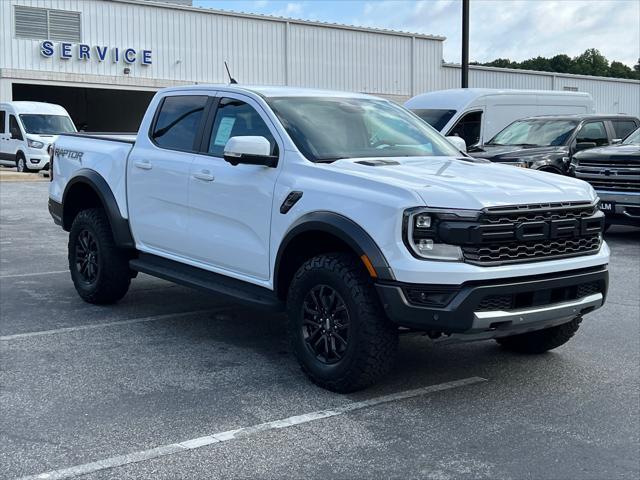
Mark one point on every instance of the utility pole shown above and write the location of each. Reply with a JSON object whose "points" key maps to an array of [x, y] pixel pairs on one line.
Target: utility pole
{"points": [[465, 44]]}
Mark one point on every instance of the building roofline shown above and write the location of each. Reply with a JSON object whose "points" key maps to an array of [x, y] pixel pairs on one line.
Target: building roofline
{"points": [[544, 73], [270, 18]]}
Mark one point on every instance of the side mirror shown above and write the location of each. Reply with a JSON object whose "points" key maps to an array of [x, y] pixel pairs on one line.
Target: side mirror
{"points": [[616, 141], [14, 133], [458, 142], [248, 150], [585, 145]]}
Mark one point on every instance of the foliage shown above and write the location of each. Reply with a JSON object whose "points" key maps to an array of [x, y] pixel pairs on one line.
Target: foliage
{"points": [[591, 62]]}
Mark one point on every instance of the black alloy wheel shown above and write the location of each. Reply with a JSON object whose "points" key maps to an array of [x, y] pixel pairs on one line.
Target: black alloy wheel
{"points": [[325, 325], [87, 260]]}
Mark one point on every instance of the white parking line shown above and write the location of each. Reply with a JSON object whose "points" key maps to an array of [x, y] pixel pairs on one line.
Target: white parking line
{"points": [[152, 318], [35, 274], [194, 443]]}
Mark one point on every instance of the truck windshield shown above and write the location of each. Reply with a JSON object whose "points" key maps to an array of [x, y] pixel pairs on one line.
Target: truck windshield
{"points": [[536, 133], [330, 128], [434, 117], [633, 138], [47, 124]]}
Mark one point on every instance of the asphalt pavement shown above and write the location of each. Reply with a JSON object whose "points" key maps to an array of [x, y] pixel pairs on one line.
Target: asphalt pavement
{"points": [[170, 383]]}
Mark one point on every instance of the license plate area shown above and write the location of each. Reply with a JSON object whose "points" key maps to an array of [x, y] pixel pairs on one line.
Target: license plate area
{"points": [[608, 207]]}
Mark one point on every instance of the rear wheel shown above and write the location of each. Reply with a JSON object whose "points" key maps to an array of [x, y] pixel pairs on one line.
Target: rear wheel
{"points": [[99, 269], [337, 327], [541, 341]]}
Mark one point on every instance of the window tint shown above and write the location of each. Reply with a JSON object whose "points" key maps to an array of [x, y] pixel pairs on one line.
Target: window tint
{"points": [[468, 128], [593, 132], [236, 118], [14, 128], [623, 128], [436, 118], [178, 121], [2, 121]]}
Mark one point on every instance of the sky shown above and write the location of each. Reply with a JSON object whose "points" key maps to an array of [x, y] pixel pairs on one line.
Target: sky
{"points": [[514, 29]]}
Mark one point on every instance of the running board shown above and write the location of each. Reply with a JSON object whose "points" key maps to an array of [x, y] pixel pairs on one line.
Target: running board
{"points": [[206, 281]]}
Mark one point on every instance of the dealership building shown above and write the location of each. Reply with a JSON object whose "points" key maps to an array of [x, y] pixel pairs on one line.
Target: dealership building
{"points": [[104, 59]]}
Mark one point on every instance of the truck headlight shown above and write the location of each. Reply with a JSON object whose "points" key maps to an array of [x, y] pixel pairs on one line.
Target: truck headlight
{"points": [[35, 144], [420, 233]]}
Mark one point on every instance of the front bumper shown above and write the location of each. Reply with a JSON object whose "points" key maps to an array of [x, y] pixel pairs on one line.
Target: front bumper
{"points": [[37, 159], [493, 308], [625, 207]]}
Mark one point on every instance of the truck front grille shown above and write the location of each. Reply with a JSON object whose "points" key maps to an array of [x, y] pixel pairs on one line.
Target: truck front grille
{"points": [[615, 175], [535, 232]]}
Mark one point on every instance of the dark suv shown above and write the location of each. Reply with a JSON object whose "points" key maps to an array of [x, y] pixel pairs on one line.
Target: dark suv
{"points": [[614, 172], [549, 142]]}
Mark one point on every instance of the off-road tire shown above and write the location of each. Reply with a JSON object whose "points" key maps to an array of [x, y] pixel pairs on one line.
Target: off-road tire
{"points": [[113, 275], [541, 341], [373, 340]]}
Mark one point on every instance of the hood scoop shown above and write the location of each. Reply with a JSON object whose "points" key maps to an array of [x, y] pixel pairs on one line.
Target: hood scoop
{"points": [[377, 163]]}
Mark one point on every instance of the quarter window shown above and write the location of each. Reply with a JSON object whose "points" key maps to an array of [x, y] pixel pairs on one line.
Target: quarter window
{"points": [[235, 118], [623, 128], [468, 127], [14, 129], [177, 122], [593, 132]]}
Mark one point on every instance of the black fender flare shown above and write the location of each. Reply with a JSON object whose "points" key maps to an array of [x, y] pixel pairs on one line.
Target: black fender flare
{"points": [[343, 228], [119, 225]]}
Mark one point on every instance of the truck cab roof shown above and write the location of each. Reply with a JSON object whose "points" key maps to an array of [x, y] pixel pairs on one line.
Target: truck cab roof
{"points": [[268, 91]]}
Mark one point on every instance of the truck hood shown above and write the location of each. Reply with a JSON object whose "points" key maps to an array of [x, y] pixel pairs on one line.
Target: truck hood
{"points": [[630, 153], [511, 153], [448, 182]]}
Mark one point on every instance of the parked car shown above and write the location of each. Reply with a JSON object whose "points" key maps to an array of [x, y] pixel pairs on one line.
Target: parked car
{"points": [[345, 210], [614, 172], [548, 143], [477, 114], [26, 131]]}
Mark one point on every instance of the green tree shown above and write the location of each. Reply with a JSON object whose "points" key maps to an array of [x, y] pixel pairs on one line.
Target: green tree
{"points": [[561, 63], [620, 70], [591, 62]]}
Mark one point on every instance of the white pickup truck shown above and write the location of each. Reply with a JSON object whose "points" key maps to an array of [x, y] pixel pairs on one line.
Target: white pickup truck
{"points": [[345, 210]]}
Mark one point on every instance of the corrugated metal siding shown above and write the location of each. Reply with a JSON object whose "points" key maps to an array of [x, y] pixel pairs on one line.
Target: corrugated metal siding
{"points": [[609, 95], [191, 45], [349, 60]]}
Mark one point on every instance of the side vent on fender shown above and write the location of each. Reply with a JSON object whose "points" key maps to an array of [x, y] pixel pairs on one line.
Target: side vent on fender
{"points": [[290, 201]]}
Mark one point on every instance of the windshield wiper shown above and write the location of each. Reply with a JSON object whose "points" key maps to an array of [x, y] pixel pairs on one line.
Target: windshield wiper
{"points": [[328, 159]]}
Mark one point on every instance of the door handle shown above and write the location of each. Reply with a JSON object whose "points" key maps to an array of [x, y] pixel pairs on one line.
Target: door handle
{"points": [[204, 175], [146, 165]]}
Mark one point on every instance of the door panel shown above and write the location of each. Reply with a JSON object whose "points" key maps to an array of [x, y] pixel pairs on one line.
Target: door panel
{"points": [[15, 142], [158, 176], [4, 137], [230, 218]]}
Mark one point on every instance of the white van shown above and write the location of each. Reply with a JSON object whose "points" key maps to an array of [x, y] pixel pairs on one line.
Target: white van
{"points": [[477, 114], [26, 131]]}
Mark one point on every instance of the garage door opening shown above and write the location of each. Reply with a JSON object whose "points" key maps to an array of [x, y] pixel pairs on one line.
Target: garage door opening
{"points": [[92, 109]]}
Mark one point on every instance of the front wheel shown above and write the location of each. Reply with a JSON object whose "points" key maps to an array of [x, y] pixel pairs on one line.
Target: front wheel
{"points": [[337, 327], [99, 269], [21, 164], [541, 341]]}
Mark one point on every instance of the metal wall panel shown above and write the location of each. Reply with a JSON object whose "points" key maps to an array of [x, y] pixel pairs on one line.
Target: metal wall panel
{"points": [[190, 45], [349, 60]]}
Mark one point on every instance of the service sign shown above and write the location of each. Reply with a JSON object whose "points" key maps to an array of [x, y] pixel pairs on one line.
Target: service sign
{"points": [[82, 51]]}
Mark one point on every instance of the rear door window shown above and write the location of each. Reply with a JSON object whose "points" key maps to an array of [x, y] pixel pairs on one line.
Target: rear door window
{"points": [[178, 121], [622, 128], [593, 132], [468, 127]]}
